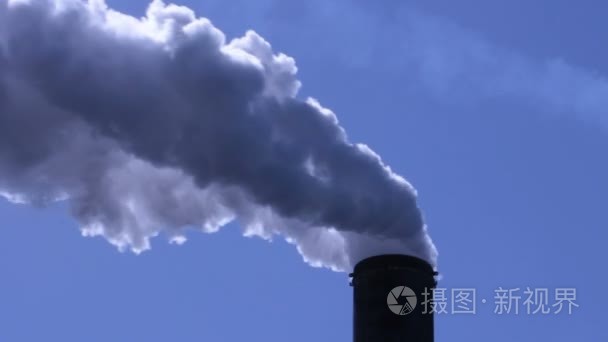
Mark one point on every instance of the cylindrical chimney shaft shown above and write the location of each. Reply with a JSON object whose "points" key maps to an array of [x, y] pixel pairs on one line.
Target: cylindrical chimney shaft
{"points": [[389, 291]]}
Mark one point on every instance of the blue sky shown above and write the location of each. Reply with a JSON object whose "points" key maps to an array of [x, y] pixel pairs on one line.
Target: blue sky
{"points": [[496, 112]]}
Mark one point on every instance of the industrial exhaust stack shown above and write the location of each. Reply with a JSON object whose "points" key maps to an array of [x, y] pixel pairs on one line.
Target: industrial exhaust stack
{"points": [[388, 296]]}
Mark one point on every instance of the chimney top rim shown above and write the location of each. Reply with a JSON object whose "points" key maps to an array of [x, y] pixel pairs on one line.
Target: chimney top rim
{"points": [[391, 261]]}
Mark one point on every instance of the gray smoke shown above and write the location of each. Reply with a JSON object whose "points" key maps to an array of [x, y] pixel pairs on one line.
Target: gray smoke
{"points": [[158, 125]]}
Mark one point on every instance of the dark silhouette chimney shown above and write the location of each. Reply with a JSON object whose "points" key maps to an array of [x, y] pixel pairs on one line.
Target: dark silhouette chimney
{"points": [[388, 299]]}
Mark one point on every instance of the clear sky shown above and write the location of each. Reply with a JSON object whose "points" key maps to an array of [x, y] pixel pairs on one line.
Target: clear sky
{"points": [[496, 111]]}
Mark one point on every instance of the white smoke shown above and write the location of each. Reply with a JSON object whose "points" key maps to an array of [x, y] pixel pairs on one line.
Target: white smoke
{"points": [[159, 125]]}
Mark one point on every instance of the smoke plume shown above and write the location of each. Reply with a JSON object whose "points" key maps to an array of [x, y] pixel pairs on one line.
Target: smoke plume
{"points": [[159, 125]]}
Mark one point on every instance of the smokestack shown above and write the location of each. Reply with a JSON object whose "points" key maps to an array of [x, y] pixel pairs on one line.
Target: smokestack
{"points": [[388, 299]]}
